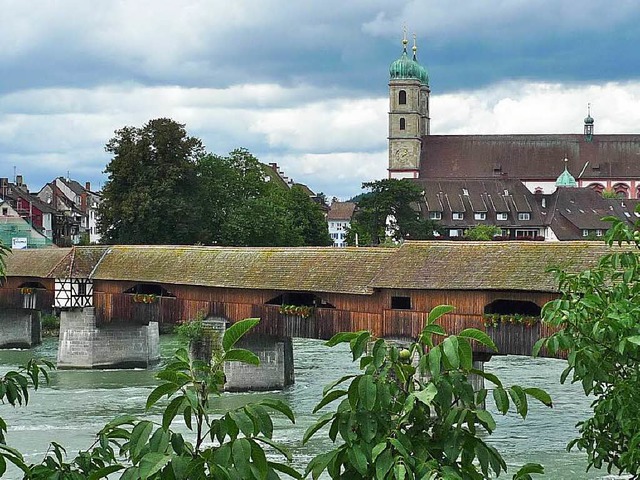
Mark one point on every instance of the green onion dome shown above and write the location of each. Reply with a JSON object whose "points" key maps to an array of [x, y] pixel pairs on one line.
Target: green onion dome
{"points": [[405, 68], [588, 120]]}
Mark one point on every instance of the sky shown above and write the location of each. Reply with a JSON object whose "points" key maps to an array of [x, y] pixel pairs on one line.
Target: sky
{"points": [[301, 83]]}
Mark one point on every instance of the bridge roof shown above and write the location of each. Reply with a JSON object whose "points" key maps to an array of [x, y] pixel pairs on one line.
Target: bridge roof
{"points": [[485, 265], [35, 262], [320, 269]]}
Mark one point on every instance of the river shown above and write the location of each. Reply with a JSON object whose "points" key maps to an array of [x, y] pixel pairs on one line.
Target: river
{"points": [[77, 403]]}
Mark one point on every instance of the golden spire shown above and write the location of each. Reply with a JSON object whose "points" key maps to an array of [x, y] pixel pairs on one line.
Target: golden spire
{"points": [[404, 37], [415, 47]]}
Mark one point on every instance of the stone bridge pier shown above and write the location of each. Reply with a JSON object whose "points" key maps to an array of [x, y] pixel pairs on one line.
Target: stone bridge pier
{"points": [[83, 344], [19, 328]]}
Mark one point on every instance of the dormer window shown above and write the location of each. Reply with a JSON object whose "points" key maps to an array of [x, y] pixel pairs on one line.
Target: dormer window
{"points": [[458, 215], [435, 215], [479, 216], [501, 216], [524, 216]]}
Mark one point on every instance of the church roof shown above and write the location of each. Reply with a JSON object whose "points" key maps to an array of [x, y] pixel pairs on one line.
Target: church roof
{"points": [[529, 157]]}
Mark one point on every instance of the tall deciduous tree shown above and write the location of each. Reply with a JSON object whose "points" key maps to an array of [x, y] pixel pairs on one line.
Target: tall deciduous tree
{"points": [[149, 197], [389, 207]]}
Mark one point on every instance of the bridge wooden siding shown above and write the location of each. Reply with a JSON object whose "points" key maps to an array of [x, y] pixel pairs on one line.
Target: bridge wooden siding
{"points": [[362, 295]]}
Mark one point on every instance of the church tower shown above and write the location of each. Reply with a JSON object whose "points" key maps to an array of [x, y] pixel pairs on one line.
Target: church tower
{"points": [[408, 113]]}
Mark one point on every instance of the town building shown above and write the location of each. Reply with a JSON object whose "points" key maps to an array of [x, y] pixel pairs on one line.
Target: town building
{"points": [[517, 183], [597, 161], [77, 208], [339, 221]]}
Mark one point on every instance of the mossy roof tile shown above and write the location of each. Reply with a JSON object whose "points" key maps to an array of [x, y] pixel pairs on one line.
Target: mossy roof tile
{"points": [[37, 262], [485, 265]]}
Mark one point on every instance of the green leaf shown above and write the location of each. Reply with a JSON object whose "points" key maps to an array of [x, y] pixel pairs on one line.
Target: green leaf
{"points": [[435, 356], [279, 406], [519, 399], [241, 452], [286, 469], [172, 410], [487, 376], [160, 391], [426, 395], [501, 399], [487, 420], [241, 355], [367, 392], [539, 395], [328, 398], [341, 337], [139, 437], [276, 446], [479, 336], [331, 385], [439, 311], [151, 463], [321, 422], [635, 339], [383, 463], [359, 344], [524, 472], [538, 346], [466, 354], [450, 347], [236, 331]]}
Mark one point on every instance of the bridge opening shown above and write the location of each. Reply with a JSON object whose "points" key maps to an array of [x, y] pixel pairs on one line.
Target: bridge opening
{"points": [[513, 307], [149, 289], [401, 303], [300, 299]]}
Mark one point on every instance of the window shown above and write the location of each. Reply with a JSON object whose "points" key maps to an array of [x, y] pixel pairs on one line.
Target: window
{"points": [[527, 233], [435, 215], [401, 303], [501, 216], [458, 215], [402, 97], [454, 232], [82, 289], [479, 216], [524, 216], [5, 211], [598, 233], [403, 124]]}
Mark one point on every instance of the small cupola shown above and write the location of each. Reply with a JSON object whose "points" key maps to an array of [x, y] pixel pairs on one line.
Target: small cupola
{"points": [[566, 179], [588, 125]]}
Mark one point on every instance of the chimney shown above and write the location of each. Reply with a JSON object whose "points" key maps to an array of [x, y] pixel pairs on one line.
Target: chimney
{"points": [[87, 186], [19, 180]]}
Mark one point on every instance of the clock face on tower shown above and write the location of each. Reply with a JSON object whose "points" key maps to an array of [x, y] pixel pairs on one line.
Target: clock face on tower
{"points": [[402, 157]]}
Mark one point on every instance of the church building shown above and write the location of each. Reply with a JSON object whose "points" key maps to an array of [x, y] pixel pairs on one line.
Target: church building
{"points": [[599, 162]]}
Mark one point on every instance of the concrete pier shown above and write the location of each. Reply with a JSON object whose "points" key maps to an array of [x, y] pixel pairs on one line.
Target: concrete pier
{"points": [[120, 345], [275, 371], [19, 328]]}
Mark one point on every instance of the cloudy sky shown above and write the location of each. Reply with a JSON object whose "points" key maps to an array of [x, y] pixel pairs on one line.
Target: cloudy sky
{"points": [[301, 83]]}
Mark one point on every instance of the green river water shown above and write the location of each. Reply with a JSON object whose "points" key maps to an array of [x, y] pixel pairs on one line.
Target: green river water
{"points": [[77, 403]]}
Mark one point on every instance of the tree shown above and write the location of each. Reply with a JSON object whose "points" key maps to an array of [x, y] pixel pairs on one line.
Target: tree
{"points": [[388, 206], [151, 185], [482, 232], [415, 415], [307, 218], [597, 321]]}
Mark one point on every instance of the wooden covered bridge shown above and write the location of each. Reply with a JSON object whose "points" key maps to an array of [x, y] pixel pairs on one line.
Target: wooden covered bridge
{"points": [[312, 292]]}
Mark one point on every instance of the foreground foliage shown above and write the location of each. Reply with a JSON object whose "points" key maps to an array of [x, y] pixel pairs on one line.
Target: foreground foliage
{"points": [[598, 321], [415, 415]]}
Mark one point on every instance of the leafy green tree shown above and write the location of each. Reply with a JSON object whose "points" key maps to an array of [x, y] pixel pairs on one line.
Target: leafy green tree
{"points": [[597, 321], [149, 196], [307, 218], [226, 185], [389, 205], [360, 230], [482, 232], [412, 415]]}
